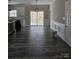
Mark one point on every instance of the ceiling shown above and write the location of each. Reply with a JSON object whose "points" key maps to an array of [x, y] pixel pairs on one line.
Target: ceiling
{"points": [[29, 1]]}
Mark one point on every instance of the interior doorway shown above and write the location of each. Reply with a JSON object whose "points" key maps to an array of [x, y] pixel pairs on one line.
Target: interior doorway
{"points": [[37, 18]]}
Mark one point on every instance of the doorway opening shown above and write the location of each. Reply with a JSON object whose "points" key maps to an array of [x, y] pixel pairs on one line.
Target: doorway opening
{"points": [[37, 18]]}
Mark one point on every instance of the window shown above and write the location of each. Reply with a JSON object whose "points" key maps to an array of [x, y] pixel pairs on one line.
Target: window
{"points": [[13, 13]]}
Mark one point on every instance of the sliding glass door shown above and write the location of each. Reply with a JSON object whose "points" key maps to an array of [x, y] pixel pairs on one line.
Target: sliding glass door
{"points": [[37, 18]]}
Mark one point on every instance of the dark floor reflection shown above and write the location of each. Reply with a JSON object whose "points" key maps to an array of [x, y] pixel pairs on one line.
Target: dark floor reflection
{"points": [[36, 42]]}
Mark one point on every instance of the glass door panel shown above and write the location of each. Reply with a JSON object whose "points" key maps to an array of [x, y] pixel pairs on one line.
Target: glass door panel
{"points": [[37, 18]]}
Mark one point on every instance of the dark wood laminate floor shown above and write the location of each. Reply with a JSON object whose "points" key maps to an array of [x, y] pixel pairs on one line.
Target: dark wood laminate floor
{"points": [[36, 42]]}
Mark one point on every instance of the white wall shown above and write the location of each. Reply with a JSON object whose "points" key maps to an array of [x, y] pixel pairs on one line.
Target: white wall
{"points": [[57, 15], [68, 21], [57, 19]]}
